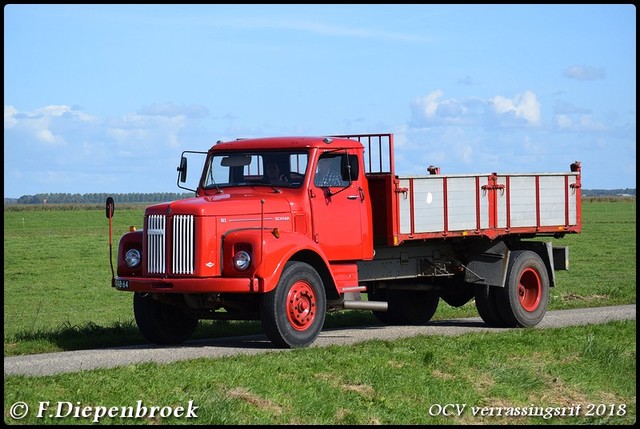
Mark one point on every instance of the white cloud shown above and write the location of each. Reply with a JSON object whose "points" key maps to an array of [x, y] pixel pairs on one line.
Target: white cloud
{"points": [[46, 136], [9, 117], [585, 73], [57, 146], [434, 110], [563, 121], [563, 107], [523, 106], [430, 110], [429, 104], [322, 29], [579, 123], [46, 125], [169, 109], [147, 132]]}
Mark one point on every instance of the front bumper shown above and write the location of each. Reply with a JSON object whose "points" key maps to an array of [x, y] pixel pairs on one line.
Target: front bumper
{"points": [[190, 285]]}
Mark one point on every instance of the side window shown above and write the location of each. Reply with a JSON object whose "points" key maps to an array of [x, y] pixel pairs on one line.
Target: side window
{"points": [[336, 170], [352, 170]]}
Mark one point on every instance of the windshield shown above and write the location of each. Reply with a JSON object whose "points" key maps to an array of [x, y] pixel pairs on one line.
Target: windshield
{"points": [[263, 168]]}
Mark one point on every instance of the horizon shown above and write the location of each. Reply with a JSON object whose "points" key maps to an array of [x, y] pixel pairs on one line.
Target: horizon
{"points": [[188, 192], [104, 98]]}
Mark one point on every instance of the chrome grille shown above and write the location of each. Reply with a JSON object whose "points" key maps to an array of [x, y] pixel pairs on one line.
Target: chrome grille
{"points": [[182, 244], [156, 236]]}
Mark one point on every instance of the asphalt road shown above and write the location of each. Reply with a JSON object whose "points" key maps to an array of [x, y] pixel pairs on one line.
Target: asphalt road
{"points": [[74, 361]]}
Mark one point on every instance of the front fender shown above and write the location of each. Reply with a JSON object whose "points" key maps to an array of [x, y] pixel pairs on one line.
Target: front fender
{"points": [[130, 240], [268, 259]]}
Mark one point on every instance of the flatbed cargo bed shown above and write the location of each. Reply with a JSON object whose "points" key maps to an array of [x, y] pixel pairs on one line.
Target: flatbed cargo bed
{"points": [[413, 207]]}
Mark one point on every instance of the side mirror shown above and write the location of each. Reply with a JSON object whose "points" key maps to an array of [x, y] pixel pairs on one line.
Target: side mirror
{"points": [[182, 177], [183, 174], [110, 207]]}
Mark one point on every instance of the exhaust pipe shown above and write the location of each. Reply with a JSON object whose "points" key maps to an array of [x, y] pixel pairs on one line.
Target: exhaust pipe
{"points": [[365, 305]]}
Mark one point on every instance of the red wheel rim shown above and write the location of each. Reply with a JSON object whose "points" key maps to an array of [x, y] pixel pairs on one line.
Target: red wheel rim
{"points": [[301, 306], [529, 289]]}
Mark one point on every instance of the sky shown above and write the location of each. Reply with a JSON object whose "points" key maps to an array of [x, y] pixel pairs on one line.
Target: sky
{"points": [[104, 98]]}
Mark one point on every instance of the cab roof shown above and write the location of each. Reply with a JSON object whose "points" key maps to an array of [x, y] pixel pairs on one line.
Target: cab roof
{"points": [[293, 142]]}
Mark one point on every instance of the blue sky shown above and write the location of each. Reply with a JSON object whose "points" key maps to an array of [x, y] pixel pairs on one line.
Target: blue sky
{"points": [[104, 98]]}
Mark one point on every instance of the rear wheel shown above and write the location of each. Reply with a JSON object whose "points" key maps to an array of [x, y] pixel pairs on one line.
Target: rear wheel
{"points": [[380, 295], [406, 307], [487, 306], [293, 313], [161, 323], [524, 299], [456, 294]]}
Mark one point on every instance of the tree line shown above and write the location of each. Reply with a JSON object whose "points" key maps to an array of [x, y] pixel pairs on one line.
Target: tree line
{"points": [[627, 192], [159, 197], [98, 198]]}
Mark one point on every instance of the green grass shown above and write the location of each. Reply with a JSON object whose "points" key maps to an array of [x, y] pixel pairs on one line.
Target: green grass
{"points": [[406, 381], [57, 273], [58, 294]]}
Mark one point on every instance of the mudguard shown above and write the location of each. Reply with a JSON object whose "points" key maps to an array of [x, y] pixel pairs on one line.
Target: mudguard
{"points": [[268, 259]]}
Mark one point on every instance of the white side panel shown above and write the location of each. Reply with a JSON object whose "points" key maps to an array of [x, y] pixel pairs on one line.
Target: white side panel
{"points": [[484, 204], [461, 192], [523, 201], [552, 205], [464, 194], [501, 198], [573, 216], [405, 208], [428, 200]]}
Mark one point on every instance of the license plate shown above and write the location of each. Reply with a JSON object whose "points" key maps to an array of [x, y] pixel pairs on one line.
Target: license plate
{"points": [[122, 284]]}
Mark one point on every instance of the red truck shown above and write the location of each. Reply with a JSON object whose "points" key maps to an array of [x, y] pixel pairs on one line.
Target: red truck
{"points": [[285, 229]]}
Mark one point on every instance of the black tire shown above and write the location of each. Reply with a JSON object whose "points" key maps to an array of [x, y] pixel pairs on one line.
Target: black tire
{"points": [[487, 306], [293, 313], [162, 323], [524, 299], [406, 307], [383, 316], [457, 294]]}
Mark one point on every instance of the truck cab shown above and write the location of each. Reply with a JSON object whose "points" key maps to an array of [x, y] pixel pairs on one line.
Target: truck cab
{"points": [[260, 207]]}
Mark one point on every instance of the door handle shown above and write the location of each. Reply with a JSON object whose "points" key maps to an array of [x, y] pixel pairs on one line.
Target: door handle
{"points": [[353, 197]]}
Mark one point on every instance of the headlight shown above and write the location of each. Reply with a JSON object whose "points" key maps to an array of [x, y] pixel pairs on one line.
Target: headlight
{"points": [[132, 258], [242, 260]]}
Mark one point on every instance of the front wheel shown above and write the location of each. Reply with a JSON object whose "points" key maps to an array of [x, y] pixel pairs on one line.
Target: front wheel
{"points": [[523, 301], [161, 323], [293, 313]]}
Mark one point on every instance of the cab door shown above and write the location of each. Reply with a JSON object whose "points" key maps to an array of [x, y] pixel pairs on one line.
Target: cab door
{"points": [[338, 205]]}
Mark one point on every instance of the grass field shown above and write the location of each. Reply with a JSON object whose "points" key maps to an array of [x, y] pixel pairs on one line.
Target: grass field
{"points": [[577, 375], [57, 296]]}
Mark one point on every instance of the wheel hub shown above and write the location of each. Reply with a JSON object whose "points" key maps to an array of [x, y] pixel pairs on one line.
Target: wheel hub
{"points": [[529, 289], [301, 306]]}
